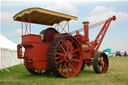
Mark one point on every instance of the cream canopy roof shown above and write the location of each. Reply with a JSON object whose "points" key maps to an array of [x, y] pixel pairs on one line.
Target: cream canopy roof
{"points": [[42, 16]]}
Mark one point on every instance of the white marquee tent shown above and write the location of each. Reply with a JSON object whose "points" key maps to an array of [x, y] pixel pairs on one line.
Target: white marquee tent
{"points": [[8, 53]]}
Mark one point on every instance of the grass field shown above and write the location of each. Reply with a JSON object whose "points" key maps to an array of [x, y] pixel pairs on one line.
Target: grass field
{"points": [[116, 75]]}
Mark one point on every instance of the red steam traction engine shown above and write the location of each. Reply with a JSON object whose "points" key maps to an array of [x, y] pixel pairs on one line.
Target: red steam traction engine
{"points": [[64, 54]]}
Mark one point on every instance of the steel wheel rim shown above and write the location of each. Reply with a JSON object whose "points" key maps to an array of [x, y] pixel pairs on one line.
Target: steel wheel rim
{"points": [[68, 57]]}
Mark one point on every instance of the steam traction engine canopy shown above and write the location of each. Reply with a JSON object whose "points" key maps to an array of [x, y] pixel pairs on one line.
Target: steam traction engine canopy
{"points": [[42, 16]]}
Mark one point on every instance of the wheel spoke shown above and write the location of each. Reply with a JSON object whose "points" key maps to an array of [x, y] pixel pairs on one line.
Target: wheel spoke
{"points": [[99, 62], [73, 63], [63, 67], [61, 54], [74, 51], [59, 57], [72, 67], [60, 66], [60, 61], [71, 48], [75, 60], [105, 65], [62, 47], [67, 70], [67, 45], [102, 64]]}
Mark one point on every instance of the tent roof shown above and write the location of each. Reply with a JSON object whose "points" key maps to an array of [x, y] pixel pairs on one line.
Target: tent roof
{"points": [[5, 43], [42, 16]]}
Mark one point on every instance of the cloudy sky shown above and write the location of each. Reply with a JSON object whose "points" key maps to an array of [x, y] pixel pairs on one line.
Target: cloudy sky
{"points": [[92, 11]]}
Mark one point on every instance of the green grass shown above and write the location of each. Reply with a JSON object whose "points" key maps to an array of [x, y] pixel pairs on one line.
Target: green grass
{"points": [[116, 75]]}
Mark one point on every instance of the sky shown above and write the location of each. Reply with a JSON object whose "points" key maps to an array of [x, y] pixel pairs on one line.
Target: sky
{"points": [[93, 11]]}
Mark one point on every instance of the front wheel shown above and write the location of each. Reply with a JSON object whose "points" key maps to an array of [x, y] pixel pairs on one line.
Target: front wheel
{"points": [[100, 62]]}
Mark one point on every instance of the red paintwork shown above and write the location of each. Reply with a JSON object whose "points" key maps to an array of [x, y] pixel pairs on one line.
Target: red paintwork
{"points": [[36, 50], [86, 32], [89, 49]]}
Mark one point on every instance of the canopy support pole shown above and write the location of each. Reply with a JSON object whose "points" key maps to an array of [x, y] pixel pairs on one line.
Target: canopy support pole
{"points": [[28, 27]]}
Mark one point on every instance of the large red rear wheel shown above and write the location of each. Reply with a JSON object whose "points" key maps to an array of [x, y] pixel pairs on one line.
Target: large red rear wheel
{"points": [[64, 56], [100, 62]]}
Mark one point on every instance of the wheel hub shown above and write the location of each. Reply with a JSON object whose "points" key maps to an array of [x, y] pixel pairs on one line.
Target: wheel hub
{"points": [[69, 56]]}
